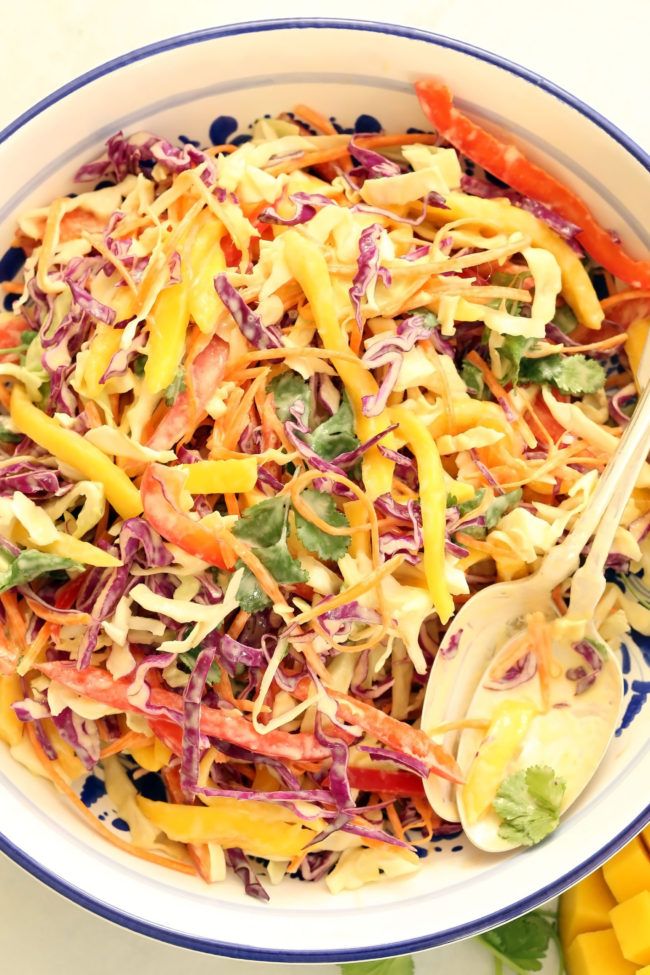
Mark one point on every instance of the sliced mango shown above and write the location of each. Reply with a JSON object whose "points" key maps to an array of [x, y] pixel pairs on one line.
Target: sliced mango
{"points": [[628, 873], [11, 729], [631, 923], [597, 953], [585, 907]]}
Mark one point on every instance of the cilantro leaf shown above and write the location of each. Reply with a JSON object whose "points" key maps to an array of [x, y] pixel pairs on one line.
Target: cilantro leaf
{"points": [[286, 389], [523, 943], [430, 317], [565, 320], [464, 507], [571, 374], [528, 802], [336, 435], [329, 547], [511, 352], [28, 565], [501, 506], [139, 363], [175, 388], [263, 523], [265, 526], [7, 436], [473, 379], [382, 966], [188, 659]]}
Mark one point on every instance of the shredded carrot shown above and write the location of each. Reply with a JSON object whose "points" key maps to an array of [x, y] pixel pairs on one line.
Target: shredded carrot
{"points": [[519, 644], [401, 139], [225, 147], [52, 772], [500, 394], [232, 505], [5, 396], [56, 615], [540, 636], [558, 599], [238, 624], [12, 287], [315, 119], [37, 648], [610, 343], [132, 739], [309, 159], [17, 626], [394, 821], [622, 297], [238, 419], [358, 589]]}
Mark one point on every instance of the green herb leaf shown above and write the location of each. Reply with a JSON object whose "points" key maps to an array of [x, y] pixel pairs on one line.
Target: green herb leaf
{"points": [[189, 660], [288, 388], [464, 507], [572, 374], [28, 565], [500, 506], [7, 436], [263, 524], [430, 317], [511, 352], [565, 320], [139, 363], [529, 803], [328, 547], [523, 943], [473, 379], [175, 388], [336, 435], [383, 966]]}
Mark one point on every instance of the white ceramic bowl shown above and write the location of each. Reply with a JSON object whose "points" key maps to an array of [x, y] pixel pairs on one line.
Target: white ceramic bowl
{"points": [[345, 69]]}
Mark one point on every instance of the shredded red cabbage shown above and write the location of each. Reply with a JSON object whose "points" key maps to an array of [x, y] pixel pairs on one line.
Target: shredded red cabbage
{"points": [[389, 351], [250, 324]]}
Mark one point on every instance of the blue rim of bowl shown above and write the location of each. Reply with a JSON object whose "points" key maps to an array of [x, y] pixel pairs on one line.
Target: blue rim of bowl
{"points": [[533, 900]]}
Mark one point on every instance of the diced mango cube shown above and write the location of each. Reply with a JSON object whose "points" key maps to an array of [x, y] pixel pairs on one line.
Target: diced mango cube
{"points": [[631, 923], [585, 907], [628, 873], [597, 953]]}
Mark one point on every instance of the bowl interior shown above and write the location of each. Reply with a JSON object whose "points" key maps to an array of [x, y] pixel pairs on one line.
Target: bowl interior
{"points": [[210, 87]]}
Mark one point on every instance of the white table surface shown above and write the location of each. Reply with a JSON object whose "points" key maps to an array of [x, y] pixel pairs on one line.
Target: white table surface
{"points": [[596, 49]]}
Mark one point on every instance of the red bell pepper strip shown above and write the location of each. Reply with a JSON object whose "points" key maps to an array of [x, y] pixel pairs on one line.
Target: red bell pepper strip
{"points": [[207, 372], [507, 163], [398, 735], [385, 781], [226, 725]]}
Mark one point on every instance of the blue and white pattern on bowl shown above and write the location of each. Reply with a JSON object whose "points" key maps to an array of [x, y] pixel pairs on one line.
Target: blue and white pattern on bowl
{"points": [[208, 81]]}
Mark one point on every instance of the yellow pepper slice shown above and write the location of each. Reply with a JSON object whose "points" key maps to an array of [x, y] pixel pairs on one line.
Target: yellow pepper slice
{"points": [[433, 499], [206, 261], [71, 448], [11, 729], [221, 476], [104, 344], [576, 284], [168, 323], [68, 547], [259, 828], [308, 266], [502, 742]]}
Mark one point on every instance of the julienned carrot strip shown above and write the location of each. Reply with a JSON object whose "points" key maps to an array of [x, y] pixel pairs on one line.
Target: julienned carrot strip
{"points": [[132, 739], [309, 159], [400, 139], [315, 119], [36, 649], [17, 625], [501, 395], [232, 507], [63, 618], [508, 163], [52, 773], [225, 147]]}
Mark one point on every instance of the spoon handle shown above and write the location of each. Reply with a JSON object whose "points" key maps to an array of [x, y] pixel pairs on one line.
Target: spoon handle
{"points": [[588, 583], [614, 487]]}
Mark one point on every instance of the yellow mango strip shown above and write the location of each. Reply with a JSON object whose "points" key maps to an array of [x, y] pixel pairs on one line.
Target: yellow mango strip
{"points": [[258, 828], [576, 284], [168, 321], [104, 344], [308, 266], [502, 742], [11, 729], [637, 333], [71, 448], [206, 261], [68, 547], [153, 756], [355, 512], [433, 500], [221, 476]]}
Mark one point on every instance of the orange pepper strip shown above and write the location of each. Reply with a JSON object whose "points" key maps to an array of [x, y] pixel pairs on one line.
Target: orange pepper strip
{"points": [[508, 163]]}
